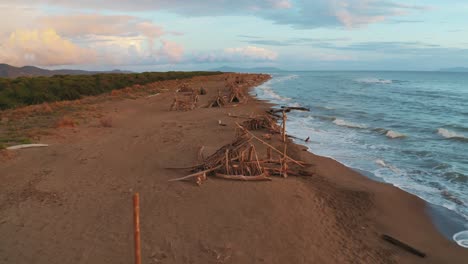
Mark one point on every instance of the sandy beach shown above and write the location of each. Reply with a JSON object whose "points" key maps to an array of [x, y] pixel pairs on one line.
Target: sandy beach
{"points": [[71, 202]]}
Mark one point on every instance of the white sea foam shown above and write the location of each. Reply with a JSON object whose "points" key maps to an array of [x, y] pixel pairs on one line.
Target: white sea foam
{"points": [[374, 80], [450, 134], [341, 122], [382, 163], [393, 134], [461, 238], [272, 95]]}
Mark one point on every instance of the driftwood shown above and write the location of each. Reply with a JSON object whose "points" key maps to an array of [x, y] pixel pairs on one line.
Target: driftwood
{"points": [[185, 102], [23, 146], [295, 108], [404, 246], [262, 122], [219, 101], [286, 109], [273, 148], [261, 177]]}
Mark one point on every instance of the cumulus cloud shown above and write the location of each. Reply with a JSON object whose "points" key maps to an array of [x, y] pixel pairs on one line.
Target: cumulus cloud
{"points": [[62, 39], [44, 47], [171, 50], [97, 24]]}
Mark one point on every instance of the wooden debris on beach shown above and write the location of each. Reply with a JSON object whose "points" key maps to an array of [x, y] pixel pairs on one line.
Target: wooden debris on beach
{"points": [[239, 160], [403, 245], [286, 109], [23, 146], [236, 95], [185, 88], [185, 99], [219, 101], [262, 122]]}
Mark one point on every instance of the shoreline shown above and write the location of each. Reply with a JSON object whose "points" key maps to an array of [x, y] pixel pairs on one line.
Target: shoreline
{"points": [[446, 225], [331, 214]]}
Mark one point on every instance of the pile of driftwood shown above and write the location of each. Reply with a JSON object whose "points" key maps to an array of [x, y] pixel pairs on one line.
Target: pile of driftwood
{"points": [[235, 94], [262, 122], [239, 160], [185, 99], [219, 101]]}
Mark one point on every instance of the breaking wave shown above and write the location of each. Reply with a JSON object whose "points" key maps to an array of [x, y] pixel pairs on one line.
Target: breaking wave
{"points": [[450, 134], [461, 238], [382, 163], [374, 81], [271, 95], [343, 123], [393, 134]]}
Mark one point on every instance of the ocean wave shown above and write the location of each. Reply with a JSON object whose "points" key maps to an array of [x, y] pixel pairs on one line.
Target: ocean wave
{"points": [[382, 163], [270, 94], [393, 134], [283, 78], [451, 134], [374, 81], [344, 123], [461, 238]]}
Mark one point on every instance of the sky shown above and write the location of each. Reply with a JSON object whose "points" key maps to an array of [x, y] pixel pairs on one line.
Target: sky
{"points": [[160, 35]]}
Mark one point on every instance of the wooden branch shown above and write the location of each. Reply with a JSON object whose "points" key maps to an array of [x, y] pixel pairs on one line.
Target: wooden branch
{"points": [[273, 148], [201, 157], [27, 146], [404, 246], [296, 108], [261, 177], [197, 174]]}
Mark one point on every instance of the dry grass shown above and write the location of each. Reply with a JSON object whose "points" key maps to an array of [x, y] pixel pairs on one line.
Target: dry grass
{"points": [[106, 122], [66, 122]]}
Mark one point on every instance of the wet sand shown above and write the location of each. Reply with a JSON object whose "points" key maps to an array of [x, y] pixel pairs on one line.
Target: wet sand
{"points": [[72, 201]]}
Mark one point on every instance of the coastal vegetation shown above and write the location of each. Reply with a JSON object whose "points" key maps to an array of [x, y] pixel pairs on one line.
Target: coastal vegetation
{"points": [[24, 91]]}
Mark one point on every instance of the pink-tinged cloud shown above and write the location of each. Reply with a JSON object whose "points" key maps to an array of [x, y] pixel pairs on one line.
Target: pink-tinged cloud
{"points": [[253, 53], [280, 4], [171, 50], [100, 25], [298, 13], [42, 47], [355, 13]]}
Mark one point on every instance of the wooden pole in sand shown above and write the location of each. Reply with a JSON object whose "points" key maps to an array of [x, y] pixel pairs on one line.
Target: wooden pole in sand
{"points": [[284, 126], [136, 226]]}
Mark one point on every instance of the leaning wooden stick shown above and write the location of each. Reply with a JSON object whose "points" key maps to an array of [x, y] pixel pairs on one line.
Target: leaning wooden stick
{"points": [[136, 226]]}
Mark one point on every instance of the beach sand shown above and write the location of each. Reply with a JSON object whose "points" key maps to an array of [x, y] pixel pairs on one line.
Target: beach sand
{"points": [[72, 201]]}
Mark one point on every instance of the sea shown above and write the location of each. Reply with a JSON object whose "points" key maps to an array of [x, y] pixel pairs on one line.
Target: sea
{"points": [[409, 129]]}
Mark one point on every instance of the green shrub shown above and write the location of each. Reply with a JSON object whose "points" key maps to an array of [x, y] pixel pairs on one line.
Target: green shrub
{"points": [[23, 91]]}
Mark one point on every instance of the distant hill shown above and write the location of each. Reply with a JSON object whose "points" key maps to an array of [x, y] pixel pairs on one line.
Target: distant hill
{"points": [[455, 69], [257, 69], [8, 71]]}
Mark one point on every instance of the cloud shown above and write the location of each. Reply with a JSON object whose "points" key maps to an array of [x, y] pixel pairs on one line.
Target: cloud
{"points": [[289, 41], [252, 52], [97, 24], [45, 48], [63, 40], [241, 54], [298, 13], [171, 50]]}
